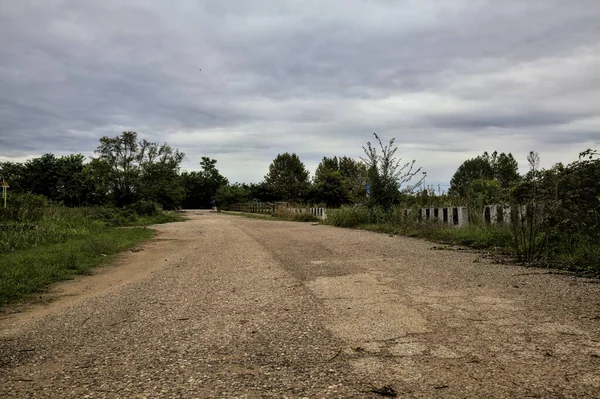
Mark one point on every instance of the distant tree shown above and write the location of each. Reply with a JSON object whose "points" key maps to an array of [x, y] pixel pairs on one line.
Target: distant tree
{"points": [[505, 168], [58, 179], [159, 174], [132, 169], [386, 173], [481, 192], [13, 173], [41, 175], [502, 168], [72, 188], [231, 194], [201, 187], [288, 179], [476, 168], [259, 192], [339, 181]]}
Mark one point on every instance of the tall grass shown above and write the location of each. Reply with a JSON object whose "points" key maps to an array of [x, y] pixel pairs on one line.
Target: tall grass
{"points": [[41, 243], [582, 254], [31, 271]]}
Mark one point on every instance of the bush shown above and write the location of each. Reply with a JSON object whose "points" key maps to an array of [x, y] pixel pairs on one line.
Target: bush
{"points": [[349, 216], [24, 208], [145, 208], [297, 217]]}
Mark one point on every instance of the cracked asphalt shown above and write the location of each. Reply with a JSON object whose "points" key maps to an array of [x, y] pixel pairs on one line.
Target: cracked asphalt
{"points": [[222, 306]]}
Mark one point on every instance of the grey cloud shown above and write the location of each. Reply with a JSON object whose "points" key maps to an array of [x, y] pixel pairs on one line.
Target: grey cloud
{"points": [[310, 77]]}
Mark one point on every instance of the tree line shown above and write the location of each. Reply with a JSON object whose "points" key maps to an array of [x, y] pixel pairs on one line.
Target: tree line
{"points": [[126, 170]]}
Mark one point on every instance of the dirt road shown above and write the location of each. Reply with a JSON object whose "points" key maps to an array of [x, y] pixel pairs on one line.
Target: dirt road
{"points": [[223, 306]]}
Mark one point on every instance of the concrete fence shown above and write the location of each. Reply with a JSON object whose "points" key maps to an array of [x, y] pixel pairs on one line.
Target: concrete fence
{"points": [[269, 208], [457, 216], [499, 214], [452, 216], [320, 213]]}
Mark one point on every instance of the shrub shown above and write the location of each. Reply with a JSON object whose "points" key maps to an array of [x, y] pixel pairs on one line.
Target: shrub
{"points": [[349, 216], [24, 208]]}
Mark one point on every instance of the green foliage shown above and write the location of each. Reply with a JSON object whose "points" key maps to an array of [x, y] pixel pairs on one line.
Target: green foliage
{"points": [[58, 179], [474, 236], [339, 181], [231, 194], [128, 170], [33, 269], [502, 168], [41, 242], [556, 213], [23, 208], [385, 173], [285, 214], [201, 187], [354, 216], [287, 179]]}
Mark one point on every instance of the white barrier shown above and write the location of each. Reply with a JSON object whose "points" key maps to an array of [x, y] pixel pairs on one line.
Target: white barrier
{"points": [[320, 213]]}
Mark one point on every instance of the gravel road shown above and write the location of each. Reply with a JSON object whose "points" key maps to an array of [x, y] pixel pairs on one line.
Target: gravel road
{"points": [[223, 306]]}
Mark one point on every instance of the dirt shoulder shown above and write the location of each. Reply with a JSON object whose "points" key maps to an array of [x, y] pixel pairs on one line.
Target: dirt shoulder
{"points": [[223, 306]]}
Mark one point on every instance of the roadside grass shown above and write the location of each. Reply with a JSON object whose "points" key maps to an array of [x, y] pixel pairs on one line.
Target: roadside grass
{"points": [[30, 271], [55, 243], [251, 215], [278, 216], [577, 254]]}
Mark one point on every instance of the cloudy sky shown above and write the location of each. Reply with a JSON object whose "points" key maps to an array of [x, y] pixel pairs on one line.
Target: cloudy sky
{"points": [[448, 79]]}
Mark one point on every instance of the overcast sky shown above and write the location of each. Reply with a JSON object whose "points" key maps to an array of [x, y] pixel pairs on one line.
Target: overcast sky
{"points": [[449, 79]]}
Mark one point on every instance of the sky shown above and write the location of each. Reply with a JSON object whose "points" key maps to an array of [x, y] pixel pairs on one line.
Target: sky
{"points": [[448, 79]]}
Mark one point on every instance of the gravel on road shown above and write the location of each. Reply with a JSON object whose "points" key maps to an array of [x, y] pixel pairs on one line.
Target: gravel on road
{"points": [[222, 306]]}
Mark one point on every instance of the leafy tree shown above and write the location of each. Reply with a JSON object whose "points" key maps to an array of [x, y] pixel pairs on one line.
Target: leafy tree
{"points": [[131, 169], [386, 173], [339, 181], [12, 173], [479, 167], [72, 187], [201, 187], [502, 168], [231, 194], [58, 179], [505, 169], [481, 192], [332, 189], [288, 178], [259, 192], [159, 174], [40, 175]]}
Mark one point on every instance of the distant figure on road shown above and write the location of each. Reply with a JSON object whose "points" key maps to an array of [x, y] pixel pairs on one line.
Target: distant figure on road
{"points": [[214, 205]]}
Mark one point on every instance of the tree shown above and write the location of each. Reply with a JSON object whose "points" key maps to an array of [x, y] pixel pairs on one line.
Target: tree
{"points": [[40, 175], [288, 178], [13, 173], [502, 168], [386, 173], [479, 167], [131, 170], [339, 181], [201, 187], [231, 194], [505, 169], [72, 188]]}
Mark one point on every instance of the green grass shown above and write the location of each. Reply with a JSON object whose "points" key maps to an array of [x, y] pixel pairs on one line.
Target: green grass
{"points": [[279, 216], [580, 254], [63, 242], [30, 271], [251, 215], [160, 218]]}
